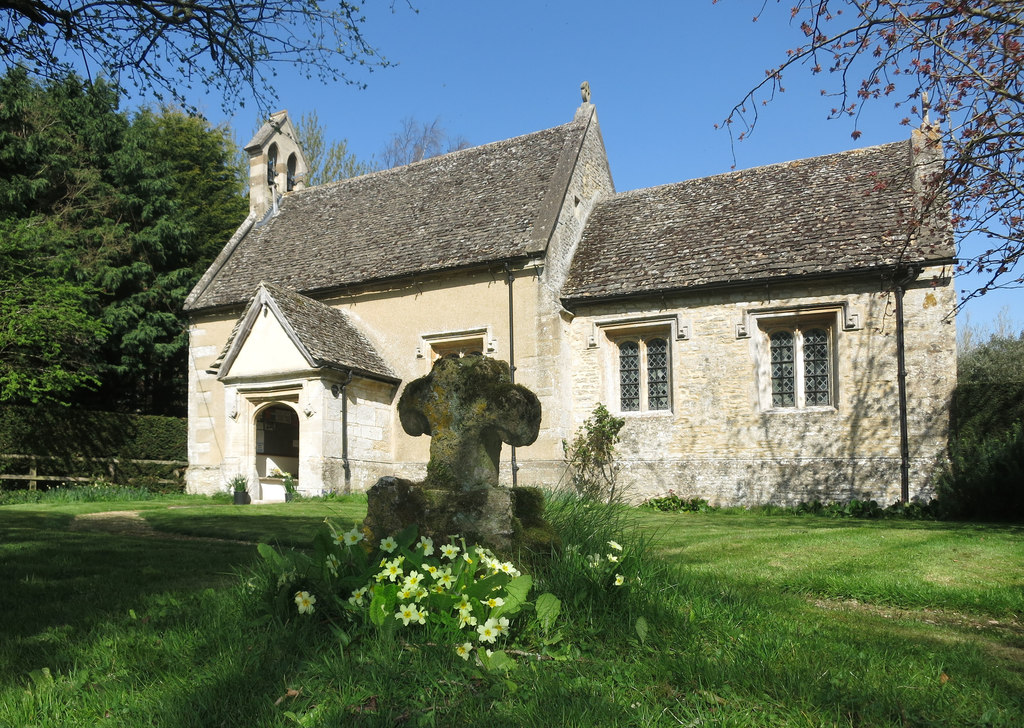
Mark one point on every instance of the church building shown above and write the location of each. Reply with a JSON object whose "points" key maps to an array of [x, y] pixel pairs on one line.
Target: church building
{"points": [[777, 334]]}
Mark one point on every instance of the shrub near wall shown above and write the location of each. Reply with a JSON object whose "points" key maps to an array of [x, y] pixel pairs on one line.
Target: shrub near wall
{"points": [[87, 444]]}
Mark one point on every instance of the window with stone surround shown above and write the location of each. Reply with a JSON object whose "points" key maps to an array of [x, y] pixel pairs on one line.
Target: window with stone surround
{"points": [[644, 382], [800, 362]]}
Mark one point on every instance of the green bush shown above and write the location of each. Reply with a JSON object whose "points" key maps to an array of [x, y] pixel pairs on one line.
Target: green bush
{"points": [[985, 477], [672, 503]]}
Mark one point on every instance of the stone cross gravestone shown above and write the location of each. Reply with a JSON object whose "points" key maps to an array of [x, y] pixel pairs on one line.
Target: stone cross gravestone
{"points": [[468, 406]]}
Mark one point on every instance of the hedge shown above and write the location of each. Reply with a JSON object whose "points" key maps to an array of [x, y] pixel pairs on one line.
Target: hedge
{"points": [[85, 443]]}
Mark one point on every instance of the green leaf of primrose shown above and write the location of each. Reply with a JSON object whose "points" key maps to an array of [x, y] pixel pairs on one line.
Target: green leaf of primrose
{"points": [[516, 592], [548, 608], [378, 610], [496, 661], [270, 555], [641, 629], [486, 585]]}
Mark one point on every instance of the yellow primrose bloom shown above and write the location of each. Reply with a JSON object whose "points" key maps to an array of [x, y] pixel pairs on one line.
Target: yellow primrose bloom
{"points": [[495, 602], [427, 544], [501, 625], [612, 558], [487, 632], [463, 650], [357, 598], [305, 601], [353, 537], [333, 563], [615, 545], [339, 539], [445, 580], [407, 613], [466, 619], [393, 570], [407, 592], [450, 551], [619, 579], [388, 544], [467, 558], [432, 570], [413, 579], [463, 603]]}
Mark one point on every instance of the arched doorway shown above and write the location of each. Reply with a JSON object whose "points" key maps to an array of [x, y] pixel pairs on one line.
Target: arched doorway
{"points": [[277, 443]]}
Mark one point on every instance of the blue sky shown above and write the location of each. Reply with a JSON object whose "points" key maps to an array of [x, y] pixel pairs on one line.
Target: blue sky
{"points": [[661, 73]]}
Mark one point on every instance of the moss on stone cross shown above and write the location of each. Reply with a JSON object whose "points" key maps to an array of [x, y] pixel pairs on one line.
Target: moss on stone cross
{"points": [[468, 406]]}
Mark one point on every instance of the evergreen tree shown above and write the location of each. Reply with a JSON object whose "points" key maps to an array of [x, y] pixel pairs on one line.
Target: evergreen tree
{"points": [[134, 208]]}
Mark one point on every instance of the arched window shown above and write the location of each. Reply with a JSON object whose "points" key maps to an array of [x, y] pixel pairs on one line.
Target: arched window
{"points": [[272, 165], [290, 183]]}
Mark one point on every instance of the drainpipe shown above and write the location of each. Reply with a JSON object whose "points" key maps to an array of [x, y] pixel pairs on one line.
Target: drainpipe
{"points": [[903, 277], [512, 358], [344, 433]]}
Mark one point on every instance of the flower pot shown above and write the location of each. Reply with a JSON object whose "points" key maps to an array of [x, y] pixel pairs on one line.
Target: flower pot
{"points": [[242, 498]]}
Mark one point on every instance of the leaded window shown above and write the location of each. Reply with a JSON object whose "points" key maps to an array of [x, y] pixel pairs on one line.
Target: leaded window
{"points": [[644, 379], [800, 366], [783, 371], [629, 376]]}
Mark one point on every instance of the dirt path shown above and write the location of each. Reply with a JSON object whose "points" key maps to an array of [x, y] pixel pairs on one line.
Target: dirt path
{"points": [[131, 523]]}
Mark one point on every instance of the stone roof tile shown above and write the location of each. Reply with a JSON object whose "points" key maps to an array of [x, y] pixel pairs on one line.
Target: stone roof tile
{"points": [[832, 214], [465, 208]]}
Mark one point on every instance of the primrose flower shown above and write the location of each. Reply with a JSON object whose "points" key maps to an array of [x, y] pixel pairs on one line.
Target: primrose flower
{"points": [[488, 632], [388, 544], [612, 558], [304, 601], [445, 580], [594, 559], [508, 568], [619, 579], [450, 551], [339, 538], [501, 626], [466, 619], [427, 544], [407, 613], [432, 570], [393, 569], [332, 564], [615, 545], [463, 603], [467, 558], [357, 599], [495, 602], [463, 650], [407, 592], [413, 579], [353, 537]]}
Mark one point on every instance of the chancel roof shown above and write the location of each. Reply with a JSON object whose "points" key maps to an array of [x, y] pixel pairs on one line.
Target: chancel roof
{"points": [[839, 213], [326, 336], [471, 207]]}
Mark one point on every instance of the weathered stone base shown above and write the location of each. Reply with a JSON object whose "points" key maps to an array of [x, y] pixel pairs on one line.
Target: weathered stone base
{"points": [[500, 518]]}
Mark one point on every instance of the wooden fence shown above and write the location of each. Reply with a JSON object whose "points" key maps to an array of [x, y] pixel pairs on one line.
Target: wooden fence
{"points": [[33, 477]]}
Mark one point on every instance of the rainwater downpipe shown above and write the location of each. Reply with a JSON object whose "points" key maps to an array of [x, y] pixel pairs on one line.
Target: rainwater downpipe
{"points": [[344, 432], [512, 358], [903, 277]]}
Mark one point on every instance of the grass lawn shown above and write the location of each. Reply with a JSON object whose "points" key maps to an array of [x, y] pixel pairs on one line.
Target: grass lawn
{"points": [[756, 621]]}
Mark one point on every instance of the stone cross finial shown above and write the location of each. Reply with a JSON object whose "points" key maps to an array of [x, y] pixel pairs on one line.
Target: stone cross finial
{"points": [[468, 406], [585, 91]]}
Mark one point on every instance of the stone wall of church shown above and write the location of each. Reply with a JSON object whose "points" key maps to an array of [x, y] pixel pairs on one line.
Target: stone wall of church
{"points": [[722, 439], [543, 369]]}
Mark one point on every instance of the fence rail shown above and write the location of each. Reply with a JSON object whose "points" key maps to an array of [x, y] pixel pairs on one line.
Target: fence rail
{"points": [[33, 477]]}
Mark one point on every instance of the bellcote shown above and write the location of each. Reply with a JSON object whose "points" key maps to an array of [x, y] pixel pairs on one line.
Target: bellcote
{"points": [[276, 163]]}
